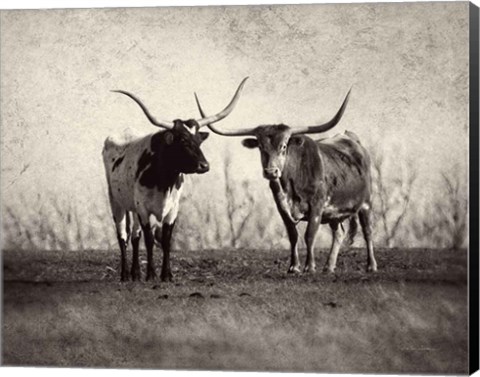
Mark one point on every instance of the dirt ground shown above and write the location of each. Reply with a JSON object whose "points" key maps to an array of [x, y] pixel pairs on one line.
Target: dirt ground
{"points": [[239, 310]]}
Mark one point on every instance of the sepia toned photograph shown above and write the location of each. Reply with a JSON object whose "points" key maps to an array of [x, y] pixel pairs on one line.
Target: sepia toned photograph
{"points": [[279, 188]]}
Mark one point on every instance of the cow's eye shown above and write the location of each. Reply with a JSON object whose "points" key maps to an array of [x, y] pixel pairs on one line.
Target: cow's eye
{"points": [[284, 147]]}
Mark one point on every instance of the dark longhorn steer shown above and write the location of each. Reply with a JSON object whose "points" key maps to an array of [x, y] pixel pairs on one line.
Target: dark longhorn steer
{"points": [[145, 177], [323, 181]]}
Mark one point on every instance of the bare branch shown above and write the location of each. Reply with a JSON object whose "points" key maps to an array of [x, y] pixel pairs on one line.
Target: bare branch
{"points": [[393, 195]]}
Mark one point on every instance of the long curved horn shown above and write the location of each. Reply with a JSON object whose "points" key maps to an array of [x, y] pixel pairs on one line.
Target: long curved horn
{"points": [[226, 111], [240, 132], [161, 123], [326, 126], [199, 107]]}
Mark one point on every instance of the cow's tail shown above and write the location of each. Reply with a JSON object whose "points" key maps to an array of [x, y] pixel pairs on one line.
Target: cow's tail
{"points": [[352, 231]]}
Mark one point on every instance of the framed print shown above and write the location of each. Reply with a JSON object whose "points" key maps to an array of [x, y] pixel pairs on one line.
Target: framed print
{"points": [[282, 188]]}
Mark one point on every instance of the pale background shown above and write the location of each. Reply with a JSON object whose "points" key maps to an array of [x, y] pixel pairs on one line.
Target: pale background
{"points": [[408, 64]]}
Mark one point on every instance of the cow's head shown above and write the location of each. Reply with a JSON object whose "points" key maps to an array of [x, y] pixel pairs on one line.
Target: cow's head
{"points": [[182, 146], [274, 140]]}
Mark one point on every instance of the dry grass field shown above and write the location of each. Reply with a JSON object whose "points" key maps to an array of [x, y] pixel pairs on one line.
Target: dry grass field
{"points": [[239, 310]]}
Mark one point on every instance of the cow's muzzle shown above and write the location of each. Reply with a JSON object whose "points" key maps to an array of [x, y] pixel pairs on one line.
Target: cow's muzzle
{"points": [[203, 167], [271, 173]]}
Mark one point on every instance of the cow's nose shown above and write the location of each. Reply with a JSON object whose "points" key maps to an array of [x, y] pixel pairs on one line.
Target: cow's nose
{"points": [[203, 167], [271, 173]]}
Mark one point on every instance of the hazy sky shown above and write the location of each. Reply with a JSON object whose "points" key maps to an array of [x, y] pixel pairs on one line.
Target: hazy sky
{"points": [[408, 64]]}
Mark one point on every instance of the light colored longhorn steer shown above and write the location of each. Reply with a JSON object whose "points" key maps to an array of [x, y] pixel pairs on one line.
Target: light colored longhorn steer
{"points": [[145, 178]]}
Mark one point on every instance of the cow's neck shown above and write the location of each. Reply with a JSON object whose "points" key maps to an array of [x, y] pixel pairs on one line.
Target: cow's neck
{"points": [[161, 176], [291, 198], [173, 178]]}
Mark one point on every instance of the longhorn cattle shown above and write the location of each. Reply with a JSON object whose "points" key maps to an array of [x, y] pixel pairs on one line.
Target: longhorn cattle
{"points": [[325, 181], [145, 178]]}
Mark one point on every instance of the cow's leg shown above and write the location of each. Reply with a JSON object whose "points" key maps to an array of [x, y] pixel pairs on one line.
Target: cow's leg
{"points": [[279, 198], [149, 243], [167, 230], [293, 237], [136, 235], [366, 223], [310, 236], [122, 242], [338, 235], [121, 225], [120, 219]]}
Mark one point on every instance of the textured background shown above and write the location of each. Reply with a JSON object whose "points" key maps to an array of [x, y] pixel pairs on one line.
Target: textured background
{"points": [[408, 64]]}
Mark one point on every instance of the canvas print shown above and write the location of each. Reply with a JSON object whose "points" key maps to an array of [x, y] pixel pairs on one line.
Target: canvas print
{"points": [[257, 188]]}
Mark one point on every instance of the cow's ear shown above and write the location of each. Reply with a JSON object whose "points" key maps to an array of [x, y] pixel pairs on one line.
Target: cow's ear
{"points": [[250, 143], [168, 137], [203, 136], [296, 140]]}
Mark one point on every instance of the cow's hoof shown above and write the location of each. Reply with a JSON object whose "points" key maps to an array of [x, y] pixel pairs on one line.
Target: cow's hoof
{"points": [[294, 269], [329, 270], [151, 275], [124, 276], [136, 275], [372, 268], [309, 268], [166, 276], [135, 272]]}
